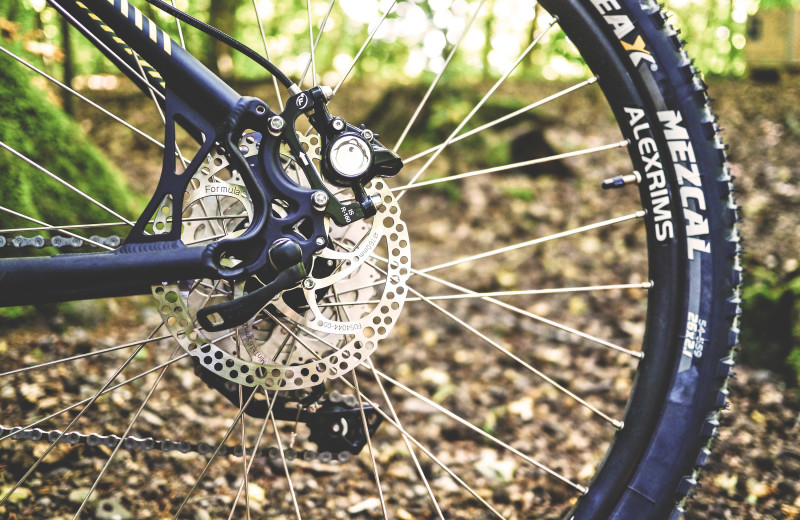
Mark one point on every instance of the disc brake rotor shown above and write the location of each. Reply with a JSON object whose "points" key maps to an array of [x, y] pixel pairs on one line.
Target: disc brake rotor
{"points": [[320, 330]]}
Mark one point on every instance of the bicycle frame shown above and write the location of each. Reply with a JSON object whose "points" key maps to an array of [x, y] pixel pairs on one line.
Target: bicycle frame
{"points": [[211, 111]]}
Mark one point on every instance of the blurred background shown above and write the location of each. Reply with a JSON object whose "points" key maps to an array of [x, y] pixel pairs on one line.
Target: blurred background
{"points": [[749, 51]]}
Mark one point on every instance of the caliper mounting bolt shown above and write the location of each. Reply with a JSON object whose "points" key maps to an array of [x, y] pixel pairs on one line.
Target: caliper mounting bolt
{"points": [[338, 124], [320, 200], [276, 124]]}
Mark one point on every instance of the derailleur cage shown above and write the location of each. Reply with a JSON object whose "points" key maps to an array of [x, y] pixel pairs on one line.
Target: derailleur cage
{"points": [[335, 425]]}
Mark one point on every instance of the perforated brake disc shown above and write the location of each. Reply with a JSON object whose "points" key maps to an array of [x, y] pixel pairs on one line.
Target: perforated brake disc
{"points": [[318, 331]]}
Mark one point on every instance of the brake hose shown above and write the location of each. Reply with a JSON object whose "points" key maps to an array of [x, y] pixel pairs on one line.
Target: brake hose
{"points": [[224, 38]]}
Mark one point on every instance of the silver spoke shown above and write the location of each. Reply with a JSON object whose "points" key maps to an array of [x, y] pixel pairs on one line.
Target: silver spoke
{"points": [[252, 457], [66, 184], [48, 226], [560, 326], [316, 43], [528, 459], [506, 167], [91, 401], [81, 97], [490, 437], [180, 30], [266, 52], [213, 456], [283, 457], [311, 45], [413, 455], [363, 47], [83, 356], [469, 328], [106, 391], [117, 386], [244, 430], [437, 78], [528, 243], [402, 431], [535, 104], [478, 106], [125, 434], [477, 295], [369, 445], [426, 451]]}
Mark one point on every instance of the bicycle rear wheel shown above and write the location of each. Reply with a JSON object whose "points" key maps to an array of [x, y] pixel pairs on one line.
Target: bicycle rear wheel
{"points": [[561, 350]]}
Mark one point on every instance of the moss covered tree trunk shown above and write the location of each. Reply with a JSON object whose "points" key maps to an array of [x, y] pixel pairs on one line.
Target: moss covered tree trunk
{"points": [[36, 128], [32, 125]]}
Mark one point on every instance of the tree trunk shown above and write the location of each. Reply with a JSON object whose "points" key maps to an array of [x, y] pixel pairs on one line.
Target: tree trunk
{"points": [[221, 14], [69, 73]]}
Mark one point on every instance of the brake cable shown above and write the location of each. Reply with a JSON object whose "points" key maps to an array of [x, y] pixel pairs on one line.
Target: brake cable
{"points": [[227, 40]]}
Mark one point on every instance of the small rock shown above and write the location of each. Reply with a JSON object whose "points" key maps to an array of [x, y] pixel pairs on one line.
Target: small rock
{"points": [[256, 492], [434, 376], [110, 509], [366, 505], [78, 495], [19, 495], [495, 469]]}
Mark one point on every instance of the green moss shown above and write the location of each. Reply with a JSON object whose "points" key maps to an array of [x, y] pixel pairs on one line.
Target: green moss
{"points": [[519, 192], [37, 129], [770, 325], [33, 126]]}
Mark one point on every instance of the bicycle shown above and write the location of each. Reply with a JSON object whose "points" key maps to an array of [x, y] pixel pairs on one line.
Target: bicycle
{"points": [[278, 253]]}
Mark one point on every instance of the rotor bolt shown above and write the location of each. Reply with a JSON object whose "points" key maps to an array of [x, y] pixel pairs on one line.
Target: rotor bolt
{"points": [[320, 241], [320, 200], [276, 125], [308, 283], [338, 124]]}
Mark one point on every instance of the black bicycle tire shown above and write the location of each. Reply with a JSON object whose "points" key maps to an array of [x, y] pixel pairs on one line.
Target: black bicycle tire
{"points": [[649, 473]]}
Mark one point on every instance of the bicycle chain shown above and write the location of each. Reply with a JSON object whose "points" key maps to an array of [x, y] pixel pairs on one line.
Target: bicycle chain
{"points": [[134, 444], [58, 242]]}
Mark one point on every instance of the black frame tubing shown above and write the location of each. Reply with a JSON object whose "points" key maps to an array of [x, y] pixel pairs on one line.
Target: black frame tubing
{"points": [[122, 32]]}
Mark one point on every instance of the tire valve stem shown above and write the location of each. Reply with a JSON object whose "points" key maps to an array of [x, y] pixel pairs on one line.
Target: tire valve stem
{"points": [[622, 180]]}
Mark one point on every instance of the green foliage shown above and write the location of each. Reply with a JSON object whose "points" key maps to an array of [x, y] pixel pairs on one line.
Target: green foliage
{"points": [[402, 51], [715, 32], [770, 325], [769, 4]]}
